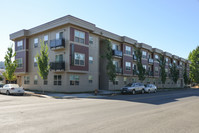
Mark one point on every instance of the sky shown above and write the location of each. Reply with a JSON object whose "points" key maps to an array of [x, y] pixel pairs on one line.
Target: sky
{"points": [[169, 25]]}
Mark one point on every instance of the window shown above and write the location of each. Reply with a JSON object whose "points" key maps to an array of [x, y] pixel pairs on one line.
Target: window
{"points": [[180, 63], [19, 62], [156, 56], [90, 79], [167, 60], [35, 62], [143, 54], [79, 36], [90, 59], [57, 79], [79, 59], [45, 81], [116, 81], [144, 66], [125, 80], [134, 55], [59, 58], [46, 39], [134, 67], [114, 46], [128, 66], [174, 61], [156, 69], [128, 50], [36, 41], [116, 63], [74, 79], [26, 79], [90, 40], [20, 45], [35, 79], [59, 35], [166, 70]]}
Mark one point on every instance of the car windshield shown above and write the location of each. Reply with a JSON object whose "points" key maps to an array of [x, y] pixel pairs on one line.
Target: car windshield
{"points": [[128, 85], [148, 85]]}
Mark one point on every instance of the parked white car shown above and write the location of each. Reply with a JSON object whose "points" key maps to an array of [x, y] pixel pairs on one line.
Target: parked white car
{"points": [[150, 88], [12, 89], [133, 88]]}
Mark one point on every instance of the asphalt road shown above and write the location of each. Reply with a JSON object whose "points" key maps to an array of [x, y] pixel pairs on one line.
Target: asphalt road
{"points": [[165, 112]]}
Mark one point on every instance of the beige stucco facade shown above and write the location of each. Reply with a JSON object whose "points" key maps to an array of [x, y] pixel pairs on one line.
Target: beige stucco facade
{"points": [[96, 68]]}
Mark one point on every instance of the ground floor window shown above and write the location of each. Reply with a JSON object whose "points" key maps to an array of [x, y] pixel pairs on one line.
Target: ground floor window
{"points": [[90, 79], [26, 80], [125, 79], [74, 79], [57, 79], [45, 81], [35, 79]]}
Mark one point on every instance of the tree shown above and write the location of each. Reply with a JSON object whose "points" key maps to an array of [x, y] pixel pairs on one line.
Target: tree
{"points": [[174, 73], [111, 72], [10, 65], [186, 80], [162, 64], [42, 60], [194, 66], [141, 69], [1, 78]]}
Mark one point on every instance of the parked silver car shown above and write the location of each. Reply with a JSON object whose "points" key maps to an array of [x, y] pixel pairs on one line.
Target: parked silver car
{"points": [[150, 88], [12, 89], [133, 88]]}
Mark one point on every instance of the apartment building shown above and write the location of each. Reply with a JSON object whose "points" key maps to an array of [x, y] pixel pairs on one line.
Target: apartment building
{"points": [[75, 49]]}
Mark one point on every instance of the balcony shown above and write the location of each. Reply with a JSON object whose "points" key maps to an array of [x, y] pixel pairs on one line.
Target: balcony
{"points": [[118, 70], [117, 53], [57, 44], [57, 66], [150, 61]]}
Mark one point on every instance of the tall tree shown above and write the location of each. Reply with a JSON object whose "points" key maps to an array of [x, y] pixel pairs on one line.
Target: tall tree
{"points": [[141, 69], [111, 72], [194, 66], [10, 65], [42, 60], [162, 64], [174, 73]]}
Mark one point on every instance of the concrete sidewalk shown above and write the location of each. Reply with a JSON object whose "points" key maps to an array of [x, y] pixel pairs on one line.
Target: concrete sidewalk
{"points": [[63, 95]]}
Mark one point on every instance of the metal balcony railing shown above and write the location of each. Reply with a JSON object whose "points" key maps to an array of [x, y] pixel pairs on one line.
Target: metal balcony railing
{"points": [[57, 43], [57, 66], [117, 53]]}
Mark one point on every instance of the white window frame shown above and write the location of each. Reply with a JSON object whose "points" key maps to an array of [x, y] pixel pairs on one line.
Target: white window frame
{"points": [[143, 54], [115, 46], [81, 55], [128, 65], [74, 80], [128, 50], [19, 61], [90, 59], [79, 36], [20, 45]]}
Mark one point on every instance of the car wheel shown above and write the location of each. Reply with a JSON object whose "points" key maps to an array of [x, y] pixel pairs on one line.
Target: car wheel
{"points": [[142, 91], [7, 92], [155, 91], [149, 91], [133, 92]]}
